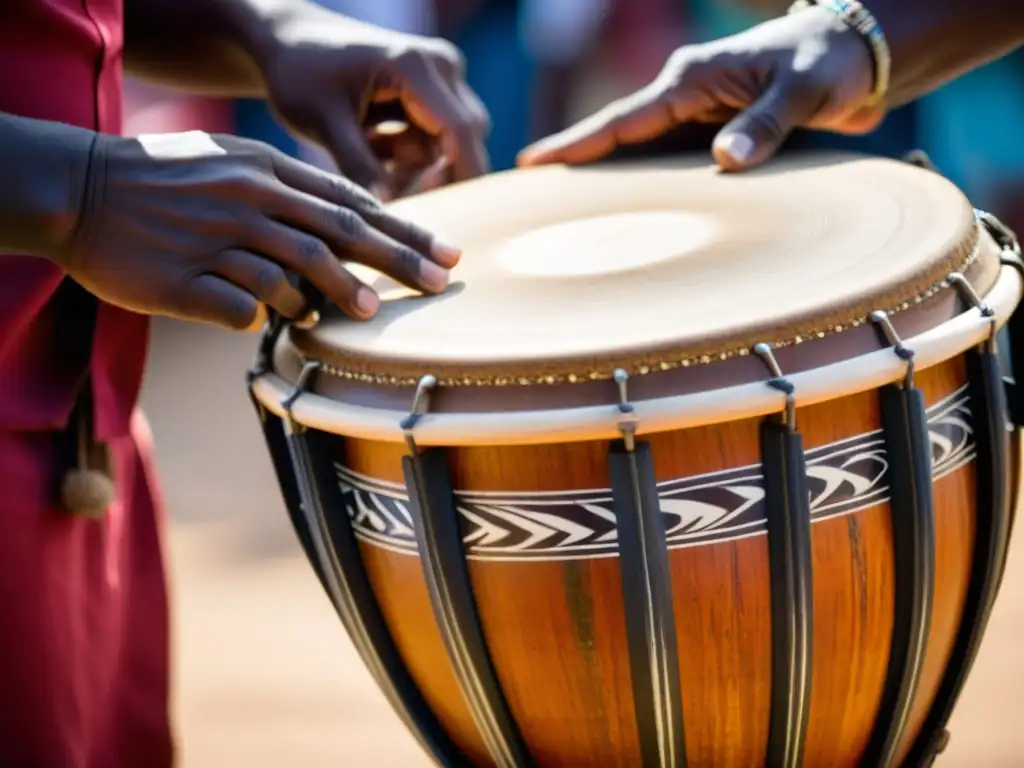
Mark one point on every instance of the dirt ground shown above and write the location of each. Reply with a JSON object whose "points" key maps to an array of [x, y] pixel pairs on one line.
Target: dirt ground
{"points": [[265, 675]]}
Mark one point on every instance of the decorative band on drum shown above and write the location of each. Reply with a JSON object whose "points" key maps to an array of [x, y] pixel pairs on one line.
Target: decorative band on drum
{"points": [[843, 478]]}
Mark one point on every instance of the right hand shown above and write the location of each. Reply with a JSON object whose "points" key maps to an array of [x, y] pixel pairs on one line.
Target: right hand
{"points": [[208, 228], [806, 70]]}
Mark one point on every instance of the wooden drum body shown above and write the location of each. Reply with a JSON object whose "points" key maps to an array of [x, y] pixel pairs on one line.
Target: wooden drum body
{"points": [[775, 540]]}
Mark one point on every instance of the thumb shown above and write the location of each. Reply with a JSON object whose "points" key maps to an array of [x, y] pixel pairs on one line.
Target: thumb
{"points": [[756, 134]]}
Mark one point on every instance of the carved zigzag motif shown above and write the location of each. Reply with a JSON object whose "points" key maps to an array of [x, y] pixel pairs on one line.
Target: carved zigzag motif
{"points": [[842, 478]]}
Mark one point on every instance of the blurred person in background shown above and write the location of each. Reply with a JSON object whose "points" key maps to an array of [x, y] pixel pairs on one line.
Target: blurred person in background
{"points": [[522, 56], [629, 48], [100, 231]]}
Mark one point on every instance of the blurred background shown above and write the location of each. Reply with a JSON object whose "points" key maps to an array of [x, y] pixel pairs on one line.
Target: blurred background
{"points": [[541, 64], [264, 672]]}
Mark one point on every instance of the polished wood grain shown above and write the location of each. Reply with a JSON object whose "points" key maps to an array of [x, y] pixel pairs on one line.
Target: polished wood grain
{"points": [[557, 636]]}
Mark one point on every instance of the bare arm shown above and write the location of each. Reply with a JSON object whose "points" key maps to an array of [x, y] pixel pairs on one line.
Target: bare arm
{"points": [[936, 41], [208, 46]]}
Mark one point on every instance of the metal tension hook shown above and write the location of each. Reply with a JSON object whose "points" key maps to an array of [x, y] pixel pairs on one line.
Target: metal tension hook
{"points": [[971, 296], [309, 368], [628, 420], [420, 408], [882, 321], [779, 382]]}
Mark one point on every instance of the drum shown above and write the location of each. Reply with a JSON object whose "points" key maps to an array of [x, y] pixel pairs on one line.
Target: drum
{"points": [[684, 468]]}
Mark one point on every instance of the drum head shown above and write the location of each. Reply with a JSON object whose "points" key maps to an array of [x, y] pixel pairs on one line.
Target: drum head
{"points": [[569, 273]]}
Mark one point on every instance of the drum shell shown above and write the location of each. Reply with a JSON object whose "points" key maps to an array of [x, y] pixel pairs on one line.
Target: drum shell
{"points": [[554, 624]]}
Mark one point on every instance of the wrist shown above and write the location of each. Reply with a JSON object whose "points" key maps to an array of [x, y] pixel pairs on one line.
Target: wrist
{"points": [[860, 21], [259, 27], [47, 169]]}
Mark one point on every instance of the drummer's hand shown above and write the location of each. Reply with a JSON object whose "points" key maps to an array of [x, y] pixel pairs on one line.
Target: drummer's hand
{"points": [[327, 73], [203, 227], [804, 70]]}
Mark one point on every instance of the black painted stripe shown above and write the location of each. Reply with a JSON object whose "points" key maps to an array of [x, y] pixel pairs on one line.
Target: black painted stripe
{"points": [[280, 458], [1014, 330], [305, 472], [792, 600], [443, 556], [992, 529], [908, 451], [650, 615]]}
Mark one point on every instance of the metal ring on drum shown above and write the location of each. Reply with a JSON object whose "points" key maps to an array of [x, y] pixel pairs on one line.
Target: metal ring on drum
{"points": [[609, 541]]}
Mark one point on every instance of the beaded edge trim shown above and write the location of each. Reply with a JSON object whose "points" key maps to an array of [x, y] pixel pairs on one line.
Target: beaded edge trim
{"points": [[642, 370]]}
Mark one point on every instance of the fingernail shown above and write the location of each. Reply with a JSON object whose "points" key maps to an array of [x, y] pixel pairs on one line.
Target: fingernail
{"points": [[527, 156], [444, 254], [308, 321], [381, 192], [367, 301], [737, 146], [433, 276], [432, 175]]}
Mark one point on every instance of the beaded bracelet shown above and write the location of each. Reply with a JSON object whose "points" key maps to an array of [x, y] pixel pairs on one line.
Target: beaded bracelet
{"points": [[861, 20]]}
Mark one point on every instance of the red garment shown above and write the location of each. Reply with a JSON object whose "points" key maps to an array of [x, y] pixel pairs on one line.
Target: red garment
{"points": [[83, 652], [61, 60], [84, 647]]}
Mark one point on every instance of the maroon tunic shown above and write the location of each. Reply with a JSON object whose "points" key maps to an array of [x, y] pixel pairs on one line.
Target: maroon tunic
{"points": [[83, 651]]}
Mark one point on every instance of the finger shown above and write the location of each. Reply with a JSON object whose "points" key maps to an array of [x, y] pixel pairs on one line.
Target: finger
{"points": [[405, 154], [310, 257], [474, 104], [431, 177], [259, 321], [757, 133], [480, 118], [348, 145], [333, 189], [636, 118], [437, 109], [212, 299], [263, 278], [350, 237]]}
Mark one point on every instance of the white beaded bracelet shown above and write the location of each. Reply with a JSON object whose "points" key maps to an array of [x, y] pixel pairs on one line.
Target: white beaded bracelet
{"points": [[861, 20]]}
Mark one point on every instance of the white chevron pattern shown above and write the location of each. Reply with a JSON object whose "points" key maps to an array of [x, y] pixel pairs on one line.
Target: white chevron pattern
{"points": [[843, 477]]}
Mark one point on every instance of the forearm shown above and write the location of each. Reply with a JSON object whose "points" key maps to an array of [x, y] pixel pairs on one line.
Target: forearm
{"points": [[207, 46], [44, 167], [936, 41]]}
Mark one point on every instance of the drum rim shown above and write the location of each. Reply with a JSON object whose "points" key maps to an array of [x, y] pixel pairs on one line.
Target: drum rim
{"points": [[379, 368], [601, 422]]}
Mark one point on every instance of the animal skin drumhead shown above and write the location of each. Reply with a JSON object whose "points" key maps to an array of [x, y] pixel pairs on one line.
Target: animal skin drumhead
{"points": [[567, 270]]}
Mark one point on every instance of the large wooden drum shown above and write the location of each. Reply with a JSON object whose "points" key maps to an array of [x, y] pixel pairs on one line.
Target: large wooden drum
{"points": [[685, 468]]}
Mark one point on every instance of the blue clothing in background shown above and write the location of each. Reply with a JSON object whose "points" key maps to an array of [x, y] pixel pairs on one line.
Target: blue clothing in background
{"points": [[501, 73]]}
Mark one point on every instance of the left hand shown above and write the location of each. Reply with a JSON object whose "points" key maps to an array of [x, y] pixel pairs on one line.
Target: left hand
{"points": [[333, 80], [803, 70]]}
